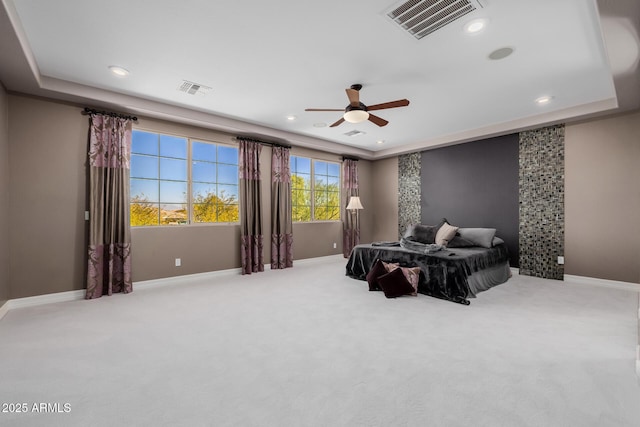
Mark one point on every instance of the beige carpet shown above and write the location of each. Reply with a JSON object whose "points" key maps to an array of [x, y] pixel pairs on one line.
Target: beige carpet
{"points": [[310, 347]]}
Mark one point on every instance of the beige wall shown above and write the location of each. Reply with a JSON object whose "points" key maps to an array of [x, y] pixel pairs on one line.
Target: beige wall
{"points": [[602, 198], [47, 152], [384, 182], [47, 148], [42, 217], [4, 196]]}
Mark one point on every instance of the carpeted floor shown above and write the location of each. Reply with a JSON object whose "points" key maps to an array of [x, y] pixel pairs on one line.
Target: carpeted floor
{"points": [[310, 347]]}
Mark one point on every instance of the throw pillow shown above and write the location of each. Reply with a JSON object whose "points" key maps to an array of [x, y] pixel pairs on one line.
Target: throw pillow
{"points": [[460, 242], [422, 233], [390, 266], [395, 284], [412, 274], [376, 271], [445, 234], [480, 236]]}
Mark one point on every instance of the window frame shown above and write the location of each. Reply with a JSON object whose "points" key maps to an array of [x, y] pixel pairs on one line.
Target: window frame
{"points": [[189, 179], [312, 190]]}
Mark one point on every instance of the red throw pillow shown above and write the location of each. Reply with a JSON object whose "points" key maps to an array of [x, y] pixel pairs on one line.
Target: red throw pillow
{"points": [[395, 284]]}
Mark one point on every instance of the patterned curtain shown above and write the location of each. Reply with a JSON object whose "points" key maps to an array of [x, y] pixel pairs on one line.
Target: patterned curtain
{"points": [[109, 266], [281, 222], [250, 207], [351, 227]]}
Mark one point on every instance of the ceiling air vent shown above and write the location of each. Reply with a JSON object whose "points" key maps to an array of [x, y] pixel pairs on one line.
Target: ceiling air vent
{"points": [[193, 88], [355, 133], [422, 17]]}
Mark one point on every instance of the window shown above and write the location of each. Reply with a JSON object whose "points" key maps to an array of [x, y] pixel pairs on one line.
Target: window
{"points": [[176, 180], [315, 188]]}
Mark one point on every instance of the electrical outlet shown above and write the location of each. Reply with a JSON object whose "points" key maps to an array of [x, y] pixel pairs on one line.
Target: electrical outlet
{"points": [[335, 245], [178, 262], [86, 215], [561, 260]]}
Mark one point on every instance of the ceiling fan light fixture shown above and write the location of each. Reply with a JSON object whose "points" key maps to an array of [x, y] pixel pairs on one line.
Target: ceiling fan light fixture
{"points": [[356, 116]]}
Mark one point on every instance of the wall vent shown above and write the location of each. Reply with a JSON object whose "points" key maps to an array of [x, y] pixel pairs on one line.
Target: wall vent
{"points": [[422, 17], [193, 88]]}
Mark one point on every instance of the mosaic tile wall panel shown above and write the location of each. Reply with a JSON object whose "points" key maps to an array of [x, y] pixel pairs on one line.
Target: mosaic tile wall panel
{"points": [[541, 202], [409, 190]]}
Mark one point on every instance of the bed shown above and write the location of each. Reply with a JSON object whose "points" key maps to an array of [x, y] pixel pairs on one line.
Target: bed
{"points": [[453, 274]]}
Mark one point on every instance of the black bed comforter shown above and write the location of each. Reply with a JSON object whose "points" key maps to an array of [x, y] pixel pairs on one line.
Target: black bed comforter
{"points": [[444, 273]]}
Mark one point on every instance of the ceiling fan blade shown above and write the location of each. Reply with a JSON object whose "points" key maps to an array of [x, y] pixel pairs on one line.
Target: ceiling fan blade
{"points": [[354, 97], [377, 120], [385, 105], [337, 123], [324, 109]]}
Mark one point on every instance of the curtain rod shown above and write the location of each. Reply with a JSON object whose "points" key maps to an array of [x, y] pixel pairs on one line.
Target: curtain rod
{"points": [[88, 111], [271, 144], [355, 159]]}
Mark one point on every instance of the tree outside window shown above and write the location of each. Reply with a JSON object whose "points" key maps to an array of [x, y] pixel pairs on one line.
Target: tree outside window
{"points": [[315, 187]]}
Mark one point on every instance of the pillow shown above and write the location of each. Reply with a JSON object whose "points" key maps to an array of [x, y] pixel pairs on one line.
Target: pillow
{"points": [[390, 266], [412, 274], [480, 236], [423, 233], [394, 284], [445, 234], [497, 241], [376, 271], [460, 242]]}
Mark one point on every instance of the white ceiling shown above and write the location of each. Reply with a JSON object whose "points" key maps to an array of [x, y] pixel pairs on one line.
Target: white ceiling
{"points": [[265, 60]]}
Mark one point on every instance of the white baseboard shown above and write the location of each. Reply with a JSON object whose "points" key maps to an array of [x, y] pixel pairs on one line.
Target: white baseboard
{"points": [[169, 281], [515, 271], [41, 300], [4, 309], [581, 280], [142, 285]]}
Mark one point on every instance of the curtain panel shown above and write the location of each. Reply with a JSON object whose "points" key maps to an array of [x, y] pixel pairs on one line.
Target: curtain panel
{"points": [[281, 221], [251, 238], [351, 223], [109, 250]]}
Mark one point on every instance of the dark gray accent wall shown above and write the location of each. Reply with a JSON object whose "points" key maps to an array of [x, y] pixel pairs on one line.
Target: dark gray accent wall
{"points": [[542, 202], [474, 185], [409, 188]]}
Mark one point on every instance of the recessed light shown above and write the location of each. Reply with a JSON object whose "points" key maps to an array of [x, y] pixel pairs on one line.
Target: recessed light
{"points": [[291, 118], [501, 53], [119, 71], [380, 141], [475, 26], [543, 100]]}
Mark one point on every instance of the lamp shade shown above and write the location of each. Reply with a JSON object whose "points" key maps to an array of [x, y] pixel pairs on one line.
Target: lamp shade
{"points": [[356, 116], [354, 203]]}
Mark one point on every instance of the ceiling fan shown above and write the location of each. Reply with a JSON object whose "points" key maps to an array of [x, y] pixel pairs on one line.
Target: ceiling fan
{"points": [[357, 112]]}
